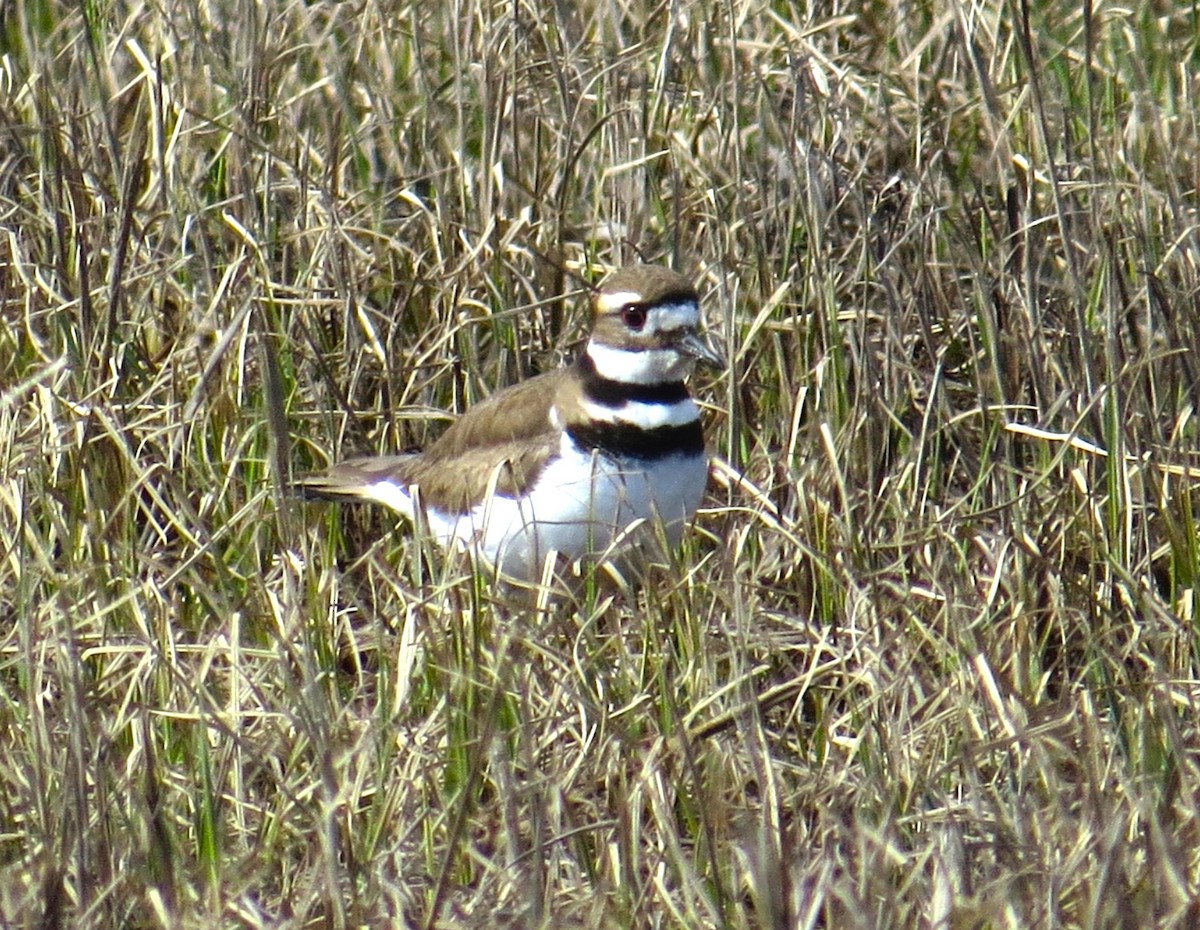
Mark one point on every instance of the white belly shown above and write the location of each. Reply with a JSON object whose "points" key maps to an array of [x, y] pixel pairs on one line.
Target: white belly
{"points": [[579, 505]]}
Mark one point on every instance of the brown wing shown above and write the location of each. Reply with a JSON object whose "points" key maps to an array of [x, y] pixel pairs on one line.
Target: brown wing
{"points": [[509, 435], [520, 413], [455, 485]]}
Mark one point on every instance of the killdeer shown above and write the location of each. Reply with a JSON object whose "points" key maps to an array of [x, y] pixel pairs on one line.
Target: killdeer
{"points": [[566, 461]]}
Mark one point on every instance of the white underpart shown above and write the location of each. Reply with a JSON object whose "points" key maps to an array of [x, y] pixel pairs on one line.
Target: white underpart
{"points": [[580, 503], [645, 415]]}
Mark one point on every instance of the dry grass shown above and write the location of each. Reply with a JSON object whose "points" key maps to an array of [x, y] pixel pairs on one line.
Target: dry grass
{"points": [[916, 668]]}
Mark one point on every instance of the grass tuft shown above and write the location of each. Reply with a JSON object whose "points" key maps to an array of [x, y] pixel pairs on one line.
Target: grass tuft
{"points": [[929, 657]]}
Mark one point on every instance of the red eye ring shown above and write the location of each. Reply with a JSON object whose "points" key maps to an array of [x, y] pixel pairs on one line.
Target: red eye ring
{"points": [[633, 316]]}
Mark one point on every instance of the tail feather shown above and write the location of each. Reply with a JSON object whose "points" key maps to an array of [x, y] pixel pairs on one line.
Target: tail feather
{"points": [[380, 479]]}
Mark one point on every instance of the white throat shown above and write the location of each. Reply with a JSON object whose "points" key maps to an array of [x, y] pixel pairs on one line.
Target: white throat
{"points": [[650, 366]]}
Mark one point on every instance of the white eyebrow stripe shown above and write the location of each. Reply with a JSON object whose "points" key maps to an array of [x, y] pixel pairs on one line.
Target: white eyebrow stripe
{"points": [[678, 314], [675, 316], [616, 300], [645, 415]]}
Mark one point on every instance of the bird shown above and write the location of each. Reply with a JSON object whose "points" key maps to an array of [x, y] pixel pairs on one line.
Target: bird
{"points": [[589, 462]]}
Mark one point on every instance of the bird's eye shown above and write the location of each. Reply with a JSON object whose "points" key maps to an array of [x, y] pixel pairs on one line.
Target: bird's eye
{"points": [[633, 316]]}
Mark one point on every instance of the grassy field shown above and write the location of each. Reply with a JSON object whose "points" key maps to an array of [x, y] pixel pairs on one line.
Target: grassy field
{"points": [[929, 658]]}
